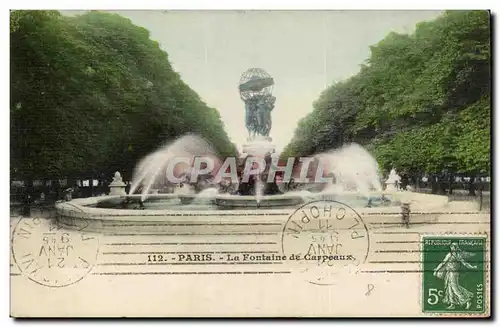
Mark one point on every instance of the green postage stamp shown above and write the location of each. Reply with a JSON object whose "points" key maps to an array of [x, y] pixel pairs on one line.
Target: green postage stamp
{"points": [[453, 279]]}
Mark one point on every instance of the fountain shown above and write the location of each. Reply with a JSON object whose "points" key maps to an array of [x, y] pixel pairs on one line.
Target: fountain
{"points": [[206, 187], [354, 181], [151, 170]]}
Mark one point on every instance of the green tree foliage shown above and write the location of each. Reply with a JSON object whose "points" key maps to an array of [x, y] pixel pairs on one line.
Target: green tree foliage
{"points": [[420, 103], [92, 94]]}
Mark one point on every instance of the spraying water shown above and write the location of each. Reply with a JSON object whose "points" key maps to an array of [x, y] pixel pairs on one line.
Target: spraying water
{"points": [[151, 170], [205, 195], [305, 195], [353, 168], [183, 190], [259, 188]]}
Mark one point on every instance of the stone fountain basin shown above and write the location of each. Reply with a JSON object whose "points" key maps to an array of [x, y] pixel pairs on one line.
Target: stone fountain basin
{"points": [[155, 201], [265, 201], [189, 198], [241, 217], [226, 201]]}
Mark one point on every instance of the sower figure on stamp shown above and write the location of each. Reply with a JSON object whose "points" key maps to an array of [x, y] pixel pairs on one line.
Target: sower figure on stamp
{"points": [[449, 270]]}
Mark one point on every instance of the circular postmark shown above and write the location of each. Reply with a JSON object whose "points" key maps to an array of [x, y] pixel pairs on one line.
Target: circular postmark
{"points": [[324, 239], [49, 253]]}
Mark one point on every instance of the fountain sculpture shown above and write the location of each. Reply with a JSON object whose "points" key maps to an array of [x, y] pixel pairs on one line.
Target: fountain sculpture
{"points": [[256, 87], [392, 181], [199, 180], [117, 186]]}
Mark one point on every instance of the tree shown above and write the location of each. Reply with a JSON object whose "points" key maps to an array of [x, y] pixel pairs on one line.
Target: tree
{"points": [[420, 103], [92, 94]]}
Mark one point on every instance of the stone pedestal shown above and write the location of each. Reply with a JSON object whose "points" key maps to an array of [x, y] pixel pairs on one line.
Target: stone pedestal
{"points": [[258, 147], [117, 186]]}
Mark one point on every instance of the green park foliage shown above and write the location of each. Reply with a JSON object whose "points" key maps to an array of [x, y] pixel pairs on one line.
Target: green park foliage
{"points": [[421, 102], [92, 94]]}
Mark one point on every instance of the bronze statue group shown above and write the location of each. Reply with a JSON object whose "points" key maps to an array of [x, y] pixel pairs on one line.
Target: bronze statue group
{"points": [[258, 114]]}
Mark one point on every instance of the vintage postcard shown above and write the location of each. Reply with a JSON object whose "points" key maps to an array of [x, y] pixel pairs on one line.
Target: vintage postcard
{"points": [[250, 163]]}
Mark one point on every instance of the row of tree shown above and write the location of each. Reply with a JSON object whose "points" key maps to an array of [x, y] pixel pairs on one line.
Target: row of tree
{"points": [[92, 94], [421, 102]]}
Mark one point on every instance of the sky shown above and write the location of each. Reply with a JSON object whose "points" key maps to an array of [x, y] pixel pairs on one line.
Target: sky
{"points": [[304, 51]]}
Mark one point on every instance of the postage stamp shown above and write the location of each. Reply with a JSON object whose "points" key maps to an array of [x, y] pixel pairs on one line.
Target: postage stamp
{"points": [[453, 278], [50, 254], [326, 238]]}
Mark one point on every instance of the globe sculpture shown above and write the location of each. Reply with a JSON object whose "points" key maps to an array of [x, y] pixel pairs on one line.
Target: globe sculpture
{"points": [[255, 88]]}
